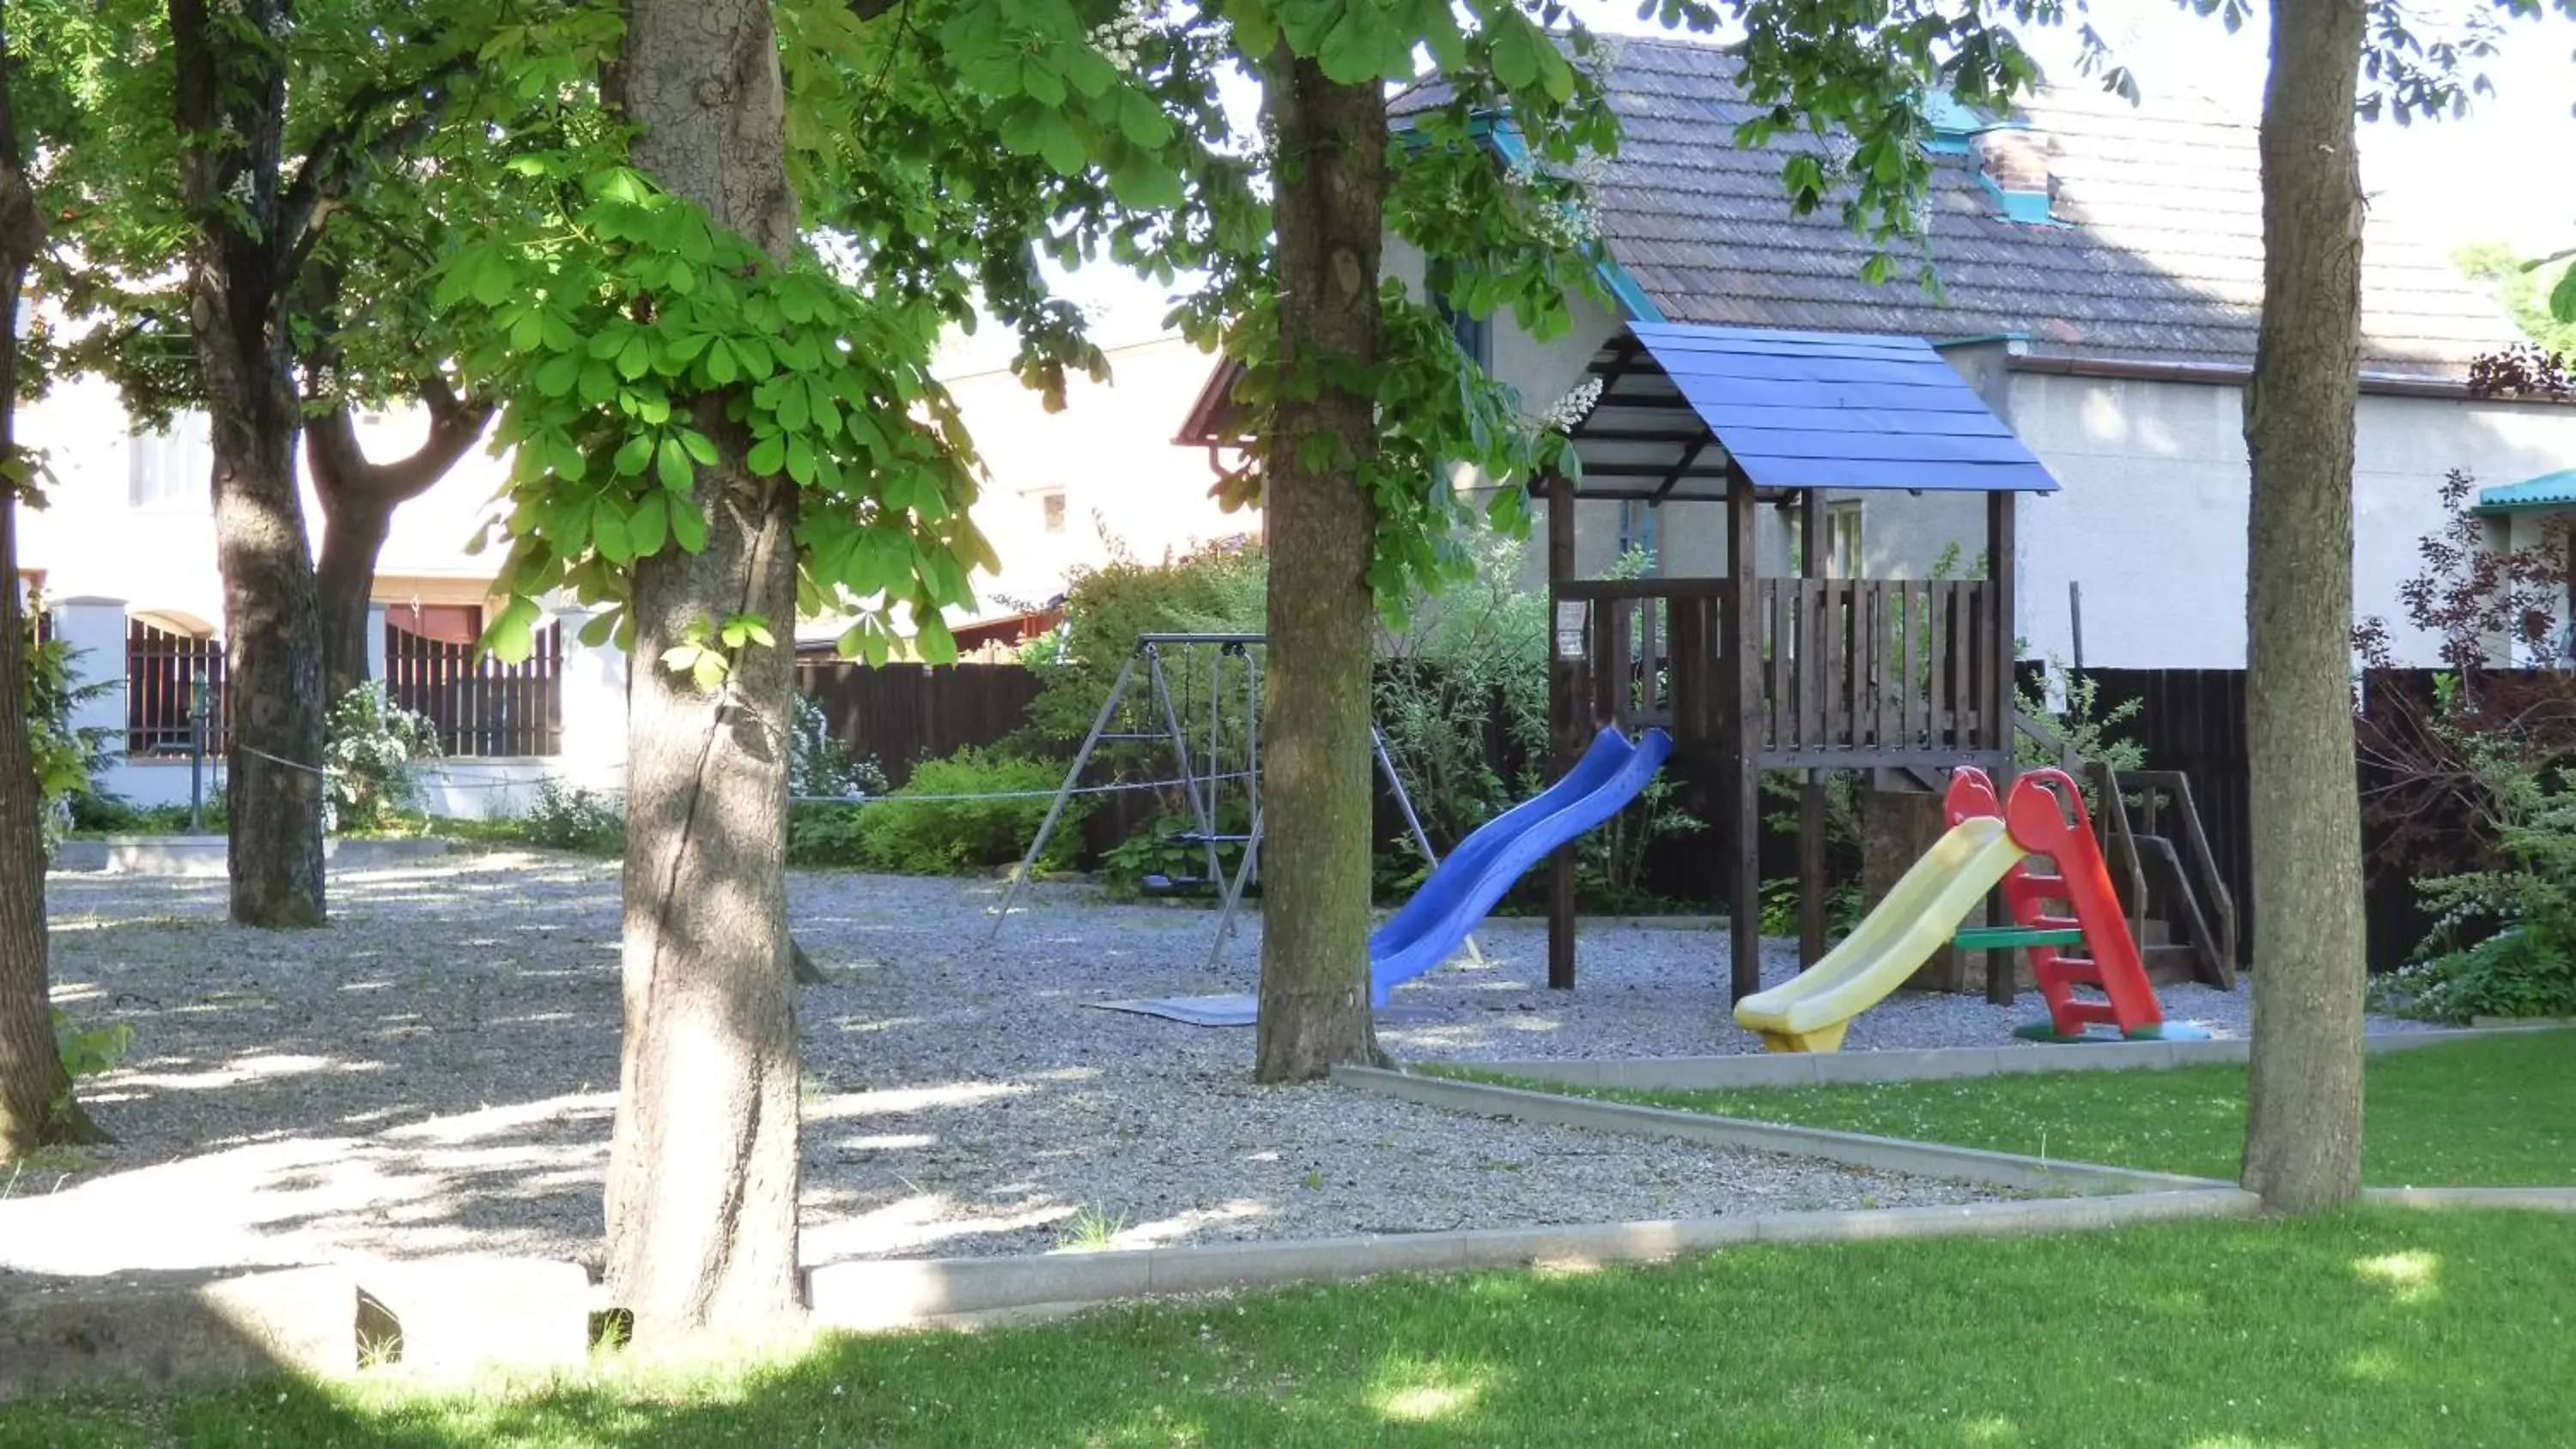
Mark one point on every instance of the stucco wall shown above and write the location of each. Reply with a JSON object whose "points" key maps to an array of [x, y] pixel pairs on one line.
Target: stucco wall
{"points": [[1110, 452], [2152, 517], [91, 539]]}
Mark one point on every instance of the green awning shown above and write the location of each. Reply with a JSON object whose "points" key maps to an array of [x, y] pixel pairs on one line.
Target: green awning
{"points": [[2549, 490]]}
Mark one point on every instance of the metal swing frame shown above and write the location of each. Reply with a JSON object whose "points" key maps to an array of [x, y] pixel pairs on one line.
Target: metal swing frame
{"points": [[1201, 787]]}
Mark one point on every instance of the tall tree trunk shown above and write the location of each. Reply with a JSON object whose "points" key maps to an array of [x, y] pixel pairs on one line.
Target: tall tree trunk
{"points": [[2303, 1140], [272, 671], [230, 105], [353, 534], [1329, 212], [359, 496], [702, 1187], [36, 1105]]}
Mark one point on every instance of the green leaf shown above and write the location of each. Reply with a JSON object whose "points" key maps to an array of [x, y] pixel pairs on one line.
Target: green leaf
{"points": [[492, 282], [512, 633], [689, 528], [1514, 52], [768, 455], [608, 533], [936, 644], [2562, 298], [1063, 149], [636, 357], [800, 459], [1146, 184], [632, 457], [698, 445], [722, 366], [672, 462], [648, 527], [556, 375], [601, 628], [1142, 121]]}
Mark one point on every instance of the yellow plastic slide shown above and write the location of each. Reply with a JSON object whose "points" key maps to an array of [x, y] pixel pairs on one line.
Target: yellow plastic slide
{"points": [[1810, 1012]]}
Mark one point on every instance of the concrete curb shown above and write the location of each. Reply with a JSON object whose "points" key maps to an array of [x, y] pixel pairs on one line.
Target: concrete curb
{"points": [[1885, 1154], [881, 1294], [2547, 1199], [207, 855], [1800, 1069]]}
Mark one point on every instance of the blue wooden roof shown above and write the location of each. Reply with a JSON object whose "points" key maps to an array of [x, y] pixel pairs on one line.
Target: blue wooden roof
{"points": [[1839, 410], [2549, 490]]}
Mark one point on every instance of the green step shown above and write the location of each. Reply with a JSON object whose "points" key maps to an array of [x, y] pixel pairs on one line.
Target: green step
{"points": [[2005, 938]]}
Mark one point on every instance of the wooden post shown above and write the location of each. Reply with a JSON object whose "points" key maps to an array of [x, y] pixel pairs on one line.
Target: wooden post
{"points": [[1998, 704], [1565, 717], [1741, 683], [1811, 795]]}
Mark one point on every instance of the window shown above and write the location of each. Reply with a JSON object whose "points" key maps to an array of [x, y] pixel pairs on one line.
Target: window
{"points": [[1842, 540], [1637, 519], [173, 468], [1051, 510]]}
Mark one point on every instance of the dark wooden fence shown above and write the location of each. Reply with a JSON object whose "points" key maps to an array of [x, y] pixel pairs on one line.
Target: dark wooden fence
{"points": [[479, 705], [901, 713], [2193, 720], [163, 671]]}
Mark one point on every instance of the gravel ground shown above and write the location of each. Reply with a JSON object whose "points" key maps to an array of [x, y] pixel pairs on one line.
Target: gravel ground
{"points": [[434, 1074]]}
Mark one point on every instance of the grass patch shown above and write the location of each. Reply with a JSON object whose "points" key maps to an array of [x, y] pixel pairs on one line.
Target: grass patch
{"points": [[2373, 1327], [2487, 1112]]}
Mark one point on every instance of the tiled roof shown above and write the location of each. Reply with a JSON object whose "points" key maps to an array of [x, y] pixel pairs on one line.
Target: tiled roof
{"points": [[2162, 261]]}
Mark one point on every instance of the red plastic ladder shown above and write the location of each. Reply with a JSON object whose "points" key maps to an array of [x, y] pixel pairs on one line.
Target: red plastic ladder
{"points": [[2046, 816]]}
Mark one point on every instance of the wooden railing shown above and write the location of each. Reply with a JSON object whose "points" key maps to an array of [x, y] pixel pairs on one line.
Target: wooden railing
{"points": [[479, 705], [1853, 672], [163, 672], [1895, 669]]}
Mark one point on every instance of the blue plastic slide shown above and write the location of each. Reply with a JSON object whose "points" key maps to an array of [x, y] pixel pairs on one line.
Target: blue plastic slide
{"points": [[1441, 915]]}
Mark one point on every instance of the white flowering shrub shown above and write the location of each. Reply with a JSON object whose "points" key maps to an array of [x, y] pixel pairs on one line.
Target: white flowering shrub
{"points": [[371, 760]]}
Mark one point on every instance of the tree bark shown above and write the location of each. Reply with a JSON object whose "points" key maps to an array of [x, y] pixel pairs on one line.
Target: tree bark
{"points": [[359, 496], [36, 1106], [344, 583], [703, 1178], [1329, 212], [2303, 1139], [230, 105]]}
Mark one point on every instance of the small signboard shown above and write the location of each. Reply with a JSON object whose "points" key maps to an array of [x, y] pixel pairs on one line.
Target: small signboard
{"points": [[1571, 615]]}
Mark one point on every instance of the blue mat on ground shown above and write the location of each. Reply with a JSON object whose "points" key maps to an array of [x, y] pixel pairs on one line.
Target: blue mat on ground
{"points": [[1238, 1010]]}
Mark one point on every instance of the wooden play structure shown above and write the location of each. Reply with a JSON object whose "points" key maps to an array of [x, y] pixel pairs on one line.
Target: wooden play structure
{"points": [[1902, 679]]}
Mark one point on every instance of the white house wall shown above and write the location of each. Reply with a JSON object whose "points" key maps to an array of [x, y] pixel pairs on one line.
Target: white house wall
{"points": [[2152, 517]]}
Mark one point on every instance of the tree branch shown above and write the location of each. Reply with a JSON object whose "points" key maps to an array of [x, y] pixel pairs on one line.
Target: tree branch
{"points": [[336, 155]]}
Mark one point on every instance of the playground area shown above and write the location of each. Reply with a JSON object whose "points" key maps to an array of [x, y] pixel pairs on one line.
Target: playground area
{"points": [[434, 1074]]}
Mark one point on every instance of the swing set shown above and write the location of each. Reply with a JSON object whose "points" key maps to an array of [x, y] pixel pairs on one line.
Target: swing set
{"points": [[1202, 769]]}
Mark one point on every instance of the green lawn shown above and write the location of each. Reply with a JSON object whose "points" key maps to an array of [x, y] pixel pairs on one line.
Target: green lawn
{"points": [[2374, 1327], [2488, 1112]]}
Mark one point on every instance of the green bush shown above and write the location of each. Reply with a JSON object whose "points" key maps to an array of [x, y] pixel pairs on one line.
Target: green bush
{"points": [[1214, 592], [583, 821], [924, 829], [67, 760], [1476, 651], [2513, 973], [2504, 941], [1156, 849], [103, 812]]}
